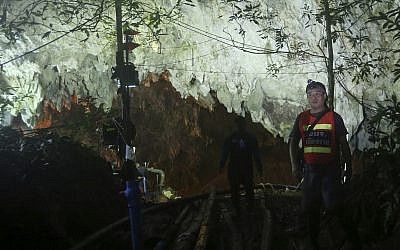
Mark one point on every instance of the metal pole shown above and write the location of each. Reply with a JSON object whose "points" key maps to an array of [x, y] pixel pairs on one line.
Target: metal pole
{"points": [[132, 188]]}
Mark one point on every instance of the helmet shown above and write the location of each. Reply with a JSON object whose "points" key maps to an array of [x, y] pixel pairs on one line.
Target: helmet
{"points": [[315, 85]]}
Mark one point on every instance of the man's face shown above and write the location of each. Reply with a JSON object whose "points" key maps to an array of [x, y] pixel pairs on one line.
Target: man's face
{"points": [[316, 98]]}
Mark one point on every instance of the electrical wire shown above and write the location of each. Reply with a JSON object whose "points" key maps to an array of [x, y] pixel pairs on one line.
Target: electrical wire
{"points": [[228, 41], [234, 73], [35, 49], [47, 43], [120, 130], [249, 46], [231, 42], [179, 47], [164, 65], [188, 59], [368, 106], [224, 40]]}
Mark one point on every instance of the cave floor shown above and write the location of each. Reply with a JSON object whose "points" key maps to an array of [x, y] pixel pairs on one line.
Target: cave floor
{"points": [[210, 222]]}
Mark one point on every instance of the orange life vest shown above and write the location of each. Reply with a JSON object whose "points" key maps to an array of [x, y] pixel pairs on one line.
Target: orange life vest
{"points": [[320, 144]]}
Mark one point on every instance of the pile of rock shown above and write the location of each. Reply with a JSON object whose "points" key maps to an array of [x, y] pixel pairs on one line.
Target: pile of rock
{"points": [[54, 191]]}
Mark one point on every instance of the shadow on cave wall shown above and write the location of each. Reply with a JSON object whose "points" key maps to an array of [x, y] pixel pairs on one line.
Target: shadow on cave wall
{"points": [[184, 139]]}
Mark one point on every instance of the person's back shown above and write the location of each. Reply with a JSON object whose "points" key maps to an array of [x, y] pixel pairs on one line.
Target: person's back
{"points": [[242, 146]]}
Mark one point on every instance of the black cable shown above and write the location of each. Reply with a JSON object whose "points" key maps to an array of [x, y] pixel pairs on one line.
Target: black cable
{"points": [[211, 35], [250, 48], [370, 107], [235, 73], [222, 72], [179, 47], [45, 44], [120, 130], [188, 59], [33, 50]]}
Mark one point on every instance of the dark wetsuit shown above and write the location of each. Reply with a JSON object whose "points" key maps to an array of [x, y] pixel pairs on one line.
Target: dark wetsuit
{"points": [[241, 148]]}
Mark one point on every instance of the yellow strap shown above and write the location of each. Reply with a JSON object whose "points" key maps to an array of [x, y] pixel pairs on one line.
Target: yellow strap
{"points": [[325, 126], [323, 150]]}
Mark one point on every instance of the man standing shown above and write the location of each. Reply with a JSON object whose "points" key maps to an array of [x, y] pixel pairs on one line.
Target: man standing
{"points": [[242, 148], [323, 136]]}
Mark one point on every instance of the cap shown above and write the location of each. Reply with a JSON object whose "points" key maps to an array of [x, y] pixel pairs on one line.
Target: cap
{"points": [[315, 85]]}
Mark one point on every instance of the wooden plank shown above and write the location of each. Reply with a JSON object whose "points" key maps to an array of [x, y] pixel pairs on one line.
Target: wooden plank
{"points": [[202, 237], [266, 237]]}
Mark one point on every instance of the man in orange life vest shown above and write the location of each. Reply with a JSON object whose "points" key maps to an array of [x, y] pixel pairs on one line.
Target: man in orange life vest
{"points": [[322, 146]]}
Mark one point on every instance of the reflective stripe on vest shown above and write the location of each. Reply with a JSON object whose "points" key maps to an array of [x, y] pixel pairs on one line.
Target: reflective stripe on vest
{"points": [[319, 126], [322, 150]]}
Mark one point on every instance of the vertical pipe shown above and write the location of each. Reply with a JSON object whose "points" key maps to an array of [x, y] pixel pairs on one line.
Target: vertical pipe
{"points": [[132, 186], [131, 193]]}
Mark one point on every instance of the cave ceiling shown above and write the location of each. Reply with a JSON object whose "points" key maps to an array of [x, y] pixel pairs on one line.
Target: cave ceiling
{"points": [[259, 66]]}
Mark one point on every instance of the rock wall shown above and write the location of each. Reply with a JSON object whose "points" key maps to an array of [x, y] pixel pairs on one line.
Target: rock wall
{"points": [[185, 139]]}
